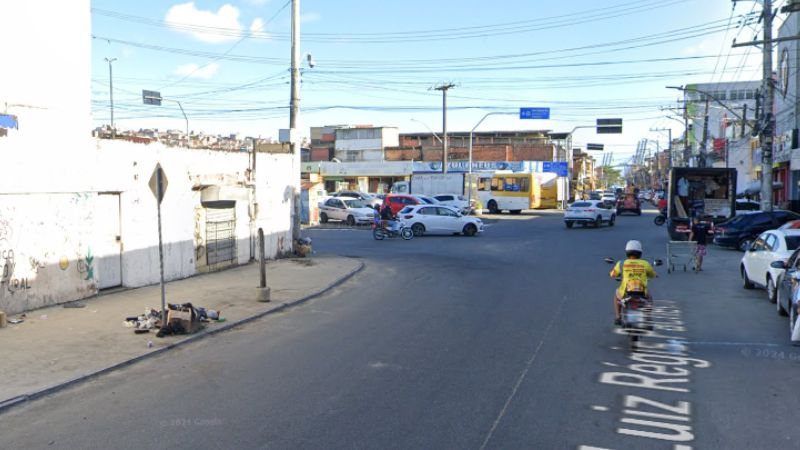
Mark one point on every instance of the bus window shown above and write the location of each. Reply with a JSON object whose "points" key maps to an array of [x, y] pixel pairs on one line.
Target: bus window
{"points": [[484, 184], [497, 184], [511, 184], [524, 184]]}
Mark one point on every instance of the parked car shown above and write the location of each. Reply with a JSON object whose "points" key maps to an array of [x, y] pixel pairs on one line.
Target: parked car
{"points": [[456, 201], [740, 231], [427, 199], [369, 199], [348, 210], [788, 298], [770, 246], [399, 201], [629, 203], [744, 206], [439, 219], [593, 212], [609, 197]]}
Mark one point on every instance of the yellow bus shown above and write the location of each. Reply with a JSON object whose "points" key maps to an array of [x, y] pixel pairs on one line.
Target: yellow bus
{"points": [[514, 192]]}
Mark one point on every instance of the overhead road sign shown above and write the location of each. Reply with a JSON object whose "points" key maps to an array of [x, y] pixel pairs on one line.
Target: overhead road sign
{"points": [[534, 113], [609, 126], [597, 147], [151, 97], [560, 168]]}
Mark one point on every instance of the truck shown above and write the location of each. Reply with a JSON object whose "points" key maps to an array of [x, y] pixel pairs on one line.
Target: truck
{"points": [[707, 193], [437, 183]]}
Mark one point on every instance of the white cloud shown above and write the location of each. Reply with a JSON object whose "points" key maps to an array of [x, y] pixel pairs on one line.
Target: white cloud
{"points": [[227, 16], [195, 71], [257, 28], [310, 17]]}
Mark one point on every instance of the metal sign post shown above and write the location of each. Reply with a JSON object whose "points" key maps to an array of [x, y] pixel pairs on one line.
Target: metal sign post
{"points": [[158, 185]]}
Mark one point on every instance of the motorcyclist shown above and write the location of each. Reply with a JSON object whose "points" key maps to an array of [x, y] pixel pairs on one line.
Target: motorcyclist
{"points": [[388, 217], [634, 272]]}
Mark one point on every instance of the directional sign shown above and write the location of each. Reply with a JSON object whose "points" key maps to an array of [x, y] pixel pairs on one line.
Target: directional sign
{"points": [[558, 167], [534, 113], [594, 147], [609, 126], [158, 183], [151, 97]]}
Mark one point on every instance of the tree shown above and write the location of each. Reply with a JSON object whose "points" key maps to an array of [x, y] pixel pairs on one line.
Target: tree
{"points": [[611, 176]]}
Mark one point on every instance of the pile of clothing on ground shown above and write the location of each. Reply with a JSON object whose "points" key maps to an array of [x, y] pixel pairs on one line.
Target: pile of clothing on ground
{"points": [[182, 318]]}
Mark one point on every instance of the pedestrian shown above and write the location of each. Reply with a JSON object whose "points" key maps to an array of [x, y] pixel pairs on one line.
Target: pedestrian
{"points": [[699, 234]]}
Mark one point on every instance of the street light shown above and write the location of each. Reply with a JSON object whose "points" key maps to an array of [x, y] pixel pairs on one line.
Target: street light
{"points": [[429, 129], [469, 167], [111, 95]]}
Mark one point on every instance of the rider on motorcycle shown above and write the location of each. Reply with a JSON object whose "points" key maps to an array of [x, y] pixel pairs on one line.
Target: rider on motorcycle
{"points": [[635, 272], [388, 218]]}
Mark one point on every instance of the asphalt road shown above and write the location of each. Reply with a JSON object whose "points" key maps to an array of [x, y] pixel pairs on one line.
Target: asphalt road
{"points": [[500, 341]]}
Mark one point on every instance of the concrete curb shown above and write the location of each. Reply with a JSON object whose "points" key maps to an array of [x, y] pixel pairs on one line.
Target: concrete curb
{"points": [[7, 404]]}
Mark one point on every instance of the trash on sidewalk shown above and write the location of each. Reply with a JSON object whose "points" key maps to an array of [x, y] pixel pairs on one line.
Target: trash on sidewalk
{"points": [[17, 320], [303, 247], [144, 323], [181, 319]]}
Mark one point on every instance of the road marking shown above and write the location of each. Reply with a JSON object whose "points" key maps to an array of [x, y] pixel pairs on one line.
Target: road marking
{"points": [[523, 374], [600, 408]]}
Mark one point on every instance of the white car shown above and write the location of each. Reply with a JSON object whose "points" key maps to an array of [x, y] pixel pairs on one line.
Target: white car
{"points": [[427, 199], [609, 198], [593, 212], [456, 201], [348, 210], [770, 246], [439, 219]]}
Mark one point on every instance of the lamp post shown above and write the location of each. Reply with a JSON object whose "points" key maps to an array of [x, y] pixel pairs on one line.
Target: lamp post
{"points": [[111, 95], [429, 129], [469, 166]]}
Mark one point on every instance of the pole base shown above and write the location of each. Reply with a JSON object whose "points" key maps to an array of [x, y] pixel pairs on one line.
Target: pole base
{"points": [[263, 294]]}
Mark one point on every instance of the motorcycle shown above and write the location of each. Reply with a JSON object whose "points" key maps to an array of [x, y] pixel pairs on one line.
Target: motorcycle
{"points": [[379, 232], [635, 308], [661, 218]]}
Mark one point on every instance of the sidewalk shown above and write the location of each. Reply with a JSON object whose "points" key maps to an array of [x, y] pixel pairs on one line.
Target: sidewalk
{"points": [[57, 346]]}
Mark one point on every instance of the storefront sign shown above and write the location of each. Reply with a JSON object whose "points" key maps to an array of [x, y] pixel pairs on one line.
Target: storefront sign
{"points": [[366, 169], [479, 166]]}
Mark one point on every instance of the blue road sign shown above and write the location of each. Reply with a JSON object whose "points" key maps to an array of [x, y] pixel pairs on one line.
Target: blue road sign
{"points": [[560, 168], [534, 113]]}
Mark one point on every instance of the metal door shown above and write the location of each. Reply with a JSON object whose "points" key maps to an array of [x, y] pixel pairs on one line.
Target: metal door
{"points": [[221, 236], [108, 253]]}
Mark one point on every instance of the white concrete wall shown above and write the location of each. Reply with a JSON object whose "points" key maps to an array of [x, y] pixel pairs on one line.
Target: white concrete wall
{"points": [[45, 81], [358, 144]]}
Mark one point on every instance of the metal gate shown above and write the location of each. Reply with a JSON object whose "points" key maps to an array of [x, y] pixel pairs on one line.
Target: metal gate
{"points": [[220, 236]]}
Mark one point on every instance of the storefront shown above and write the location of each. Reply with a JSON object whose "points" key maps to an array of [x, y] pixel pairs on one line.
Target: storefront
{"points": [[374, 177]]}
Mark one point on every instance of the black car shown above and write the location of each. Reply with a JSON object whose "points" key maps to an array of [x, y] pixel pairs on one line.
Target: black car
{"points": [[787, 288], [740, 231]]}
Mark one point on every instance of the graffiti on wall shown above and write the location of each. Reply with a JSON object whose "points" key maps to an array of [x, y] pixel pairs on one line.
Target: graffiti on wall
{"points": [[86, 265], [8, 282]]}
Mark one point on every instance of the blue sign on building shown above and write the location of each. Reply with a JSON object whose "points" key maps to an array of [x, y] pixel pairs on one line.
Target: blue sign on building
{"points": [[534, 113], [560, 168]]}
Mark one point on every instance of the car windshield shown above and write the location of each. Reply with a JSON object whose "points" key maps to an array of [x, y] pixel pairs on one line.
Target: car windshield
{"points": [[406, 210], [581, 204], [355, 203]]}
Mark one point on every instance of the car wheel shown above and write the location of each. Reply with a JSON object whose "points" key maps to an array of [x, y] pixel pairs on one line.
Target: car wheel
{"points": [[772, 293], [779, 305], [350, 220], [418, 229], [659, 220], [612, 220], [598, 221], [515, 211], [470, 230], [744, 244], [747, 284], [493, 207], [323, 218], [568, 224]]}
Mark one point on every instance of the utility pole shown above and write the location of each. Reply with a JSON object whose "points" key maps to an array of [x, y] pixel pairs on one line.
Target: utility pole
{"points": [[444, 88], [294, 109], [767, 127], [687, 154], [111, 95], [703, 145]]}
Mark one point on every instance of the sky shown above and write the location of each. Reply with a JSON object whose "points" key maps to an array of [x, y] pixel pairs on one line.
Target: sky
{"points": [[227, 63]]}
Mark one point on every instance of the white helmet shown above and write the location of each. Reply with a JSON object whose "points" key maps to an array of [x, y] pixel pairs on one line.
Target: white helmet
{"points": [[633, 246]]}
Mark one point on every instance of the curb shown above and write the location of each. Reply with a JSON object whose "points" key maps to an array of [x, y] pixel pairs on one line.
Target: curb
{"points": [[8, 404]]}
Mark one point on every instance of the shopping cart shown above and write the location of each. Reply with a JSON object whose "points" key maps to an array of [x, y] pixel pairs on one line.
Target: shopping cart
{"points": [[681, 253]]}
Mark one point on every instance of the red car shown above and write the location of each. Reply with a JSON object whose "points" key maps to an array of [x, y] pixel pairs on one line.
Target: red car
{"points": [[400, 201]]}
